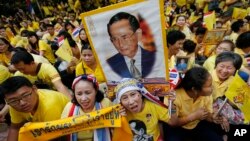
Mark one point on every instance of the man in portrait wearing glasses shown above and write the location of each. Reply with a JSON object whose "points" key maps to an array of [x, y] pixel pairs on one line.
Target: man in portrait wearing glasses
{"points": [[131, 61], [29, 104]]}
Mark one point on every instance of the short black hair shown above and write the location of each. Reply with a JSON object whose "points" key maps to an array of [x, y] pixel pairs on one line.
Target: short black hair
{"points": [[123, 15], [174, 36], [195, 78], [49, 25], [22, 56], [201, 31], [86, 46], [237, 25], [12, 84], [243, 41], [229, 56], [10, 48], [189, 46]]}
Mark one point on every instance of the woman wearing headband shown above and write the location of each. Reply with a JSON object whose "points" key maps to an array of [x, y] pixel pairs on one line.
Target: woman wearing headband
{"points": [[142, 110], [87, 98]]}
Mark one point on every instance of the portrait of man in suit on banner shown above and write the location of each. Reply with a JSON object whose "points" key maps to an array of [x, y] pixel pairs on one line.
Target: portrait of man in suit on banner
{"points": [[132, 60]]}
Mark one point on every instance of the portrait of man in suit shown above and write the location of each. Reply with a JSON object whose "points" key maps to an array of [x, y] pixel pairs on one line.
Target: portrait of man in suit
{"points": [[132, 60]]}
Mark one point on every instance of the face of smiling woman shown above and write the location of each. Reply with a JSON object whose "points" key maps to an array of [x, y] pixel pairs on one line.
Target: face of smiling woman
{"points": [[132, 101]]}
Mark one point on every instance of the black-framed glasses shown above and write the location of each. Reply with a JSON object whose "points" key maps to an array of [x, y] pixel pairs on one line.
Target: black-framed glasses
{"points": [[123, 37], [16, 101]]}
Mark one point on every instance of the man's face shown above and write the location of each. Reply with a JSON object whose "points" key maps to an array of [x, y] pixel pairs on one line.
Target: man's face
{"points": [[123, 38], [24, 68], [50, 30], [23, 100]]}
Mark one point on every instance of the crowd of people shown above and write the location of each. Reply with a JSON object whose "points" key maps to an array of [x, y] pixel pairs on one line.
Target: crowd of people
{"points": [[37, 86]]}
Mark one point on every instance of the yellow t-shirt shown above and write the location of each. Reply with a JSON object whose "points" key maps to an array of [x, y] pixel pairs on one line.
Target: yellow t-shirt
{"points": [[4, 59], [5, 74], [85, 135], [233, 37], [242, 54], [149, 117], [209, 64], [47, 37], [39, 59], [185, 105], [50, 107], [48, 53], [219, 88], [97, 72], [47, 74]]}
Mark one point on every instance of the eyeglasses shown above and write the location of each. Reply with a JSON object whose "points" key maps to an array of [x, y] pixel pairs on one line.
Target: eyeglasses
{"points": [[122, 38], [16, 101]]}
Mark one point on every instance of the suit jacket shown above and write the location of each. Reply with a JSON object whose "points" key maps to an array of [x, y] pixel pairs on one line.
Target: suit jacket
{"points": [[119, 66]]}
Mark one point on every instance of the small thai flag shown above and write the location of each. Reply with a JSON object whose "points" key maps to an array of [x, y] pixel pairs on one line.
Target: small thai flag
{"points": [[174, 78], [30, 8], [60, 40], [247, 58], [76, 32]]}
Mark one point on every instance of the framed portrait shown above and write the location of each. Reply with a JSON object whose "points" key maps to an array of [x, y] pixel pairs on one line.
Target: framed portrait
{"points": [[213, 37], [128, 39], [182, 63]]}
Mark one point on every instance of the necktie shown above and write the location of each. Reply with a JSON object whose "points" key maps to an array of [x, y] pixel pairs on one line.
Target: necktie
{"points": [[134, 71]]}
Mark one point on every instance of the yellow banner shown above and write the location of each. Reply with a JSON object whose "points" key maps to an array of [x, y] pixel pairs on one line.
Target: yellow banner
{"points": [[108, 117], [238, 93]]}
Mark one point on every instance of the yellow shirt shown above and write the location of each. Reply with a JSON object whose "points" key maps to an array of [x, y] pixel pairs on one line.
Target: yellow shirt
{"points": [[242, 54], [39, 59], [4, 59], [50, 107], [85, 135], [47, 74], [97, 72], [219, 87], [47, 37], [5, 74], [48, 53], [209, 64], [150, 117], [233, 37], [185, 105]]}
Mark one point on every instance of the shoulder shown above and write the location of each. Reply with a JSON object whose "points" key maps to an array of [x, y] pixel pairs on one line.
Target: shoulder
{"points": [[114, 58], [106, 103]]}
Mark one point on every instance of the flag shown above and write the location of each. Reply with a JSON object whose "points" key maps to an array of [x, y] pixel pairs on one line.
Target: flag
{"points": [[247, 58], [238, 93], [30, 8], [239, 13], [64, 51], [174, 78], [76, 32], [209, 20]]}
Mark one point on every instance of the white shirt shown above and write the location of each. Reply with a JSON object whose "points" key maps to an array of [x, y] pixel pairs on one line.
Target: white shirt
{"points": [[137, 59]]}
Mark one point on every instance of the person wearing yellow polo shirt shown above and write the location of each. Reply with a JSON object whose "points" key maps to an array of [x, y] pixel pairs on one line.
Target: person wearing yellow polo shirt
{"points": [[44, 73], [42, 47], [243, 49], [223, 46], [226, 65], [50, 35], [29, 104], [194, 109], [237, 27], [89, 65], [4, 108], [175, 41]]}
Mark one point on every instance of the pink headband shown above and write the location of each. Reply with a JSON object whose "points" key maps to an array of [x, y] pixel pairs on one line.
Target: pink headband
{"points": [[90, 78]]}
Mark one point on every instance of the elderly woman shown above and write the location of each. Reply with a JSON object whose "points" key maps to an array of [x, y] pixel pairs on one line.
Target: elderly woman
{"points": [[87, 98], [143, 115]]}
